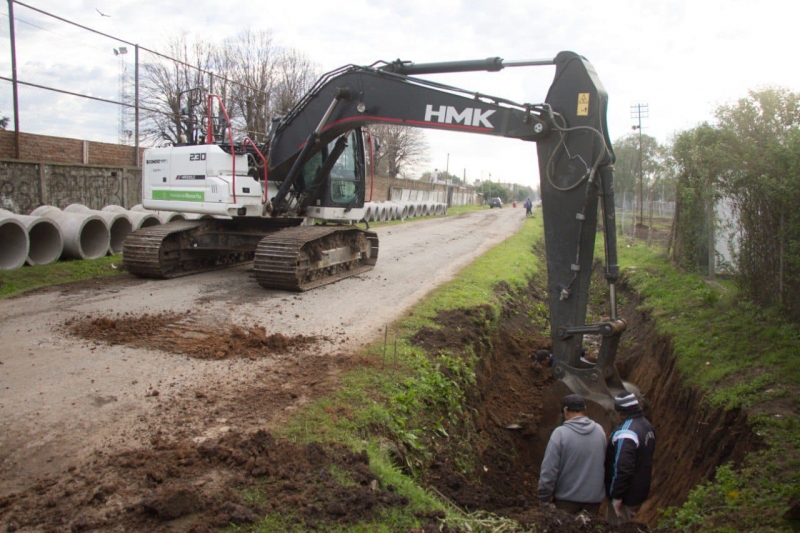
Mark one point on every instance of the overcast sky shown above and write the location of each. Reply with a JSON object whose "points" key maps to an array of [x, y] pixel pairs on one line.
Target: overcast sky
{"points": [[681, 58]]}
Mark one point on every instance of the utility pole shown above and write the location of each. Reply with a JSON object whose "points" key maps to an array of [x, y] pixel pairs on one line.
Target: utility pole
{"points": [[638, 112], [447, 181]]}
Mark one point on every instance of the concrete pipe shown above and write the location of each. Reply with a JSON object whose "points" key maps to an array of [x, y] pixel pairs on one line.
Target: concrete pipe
{"points": [[14, 242], [119, 225], [391, 211], [411, 210], [139, 218], [403, 208], [45, 241], [424, 210], [168, 216], [367, 210], [86, 236]]}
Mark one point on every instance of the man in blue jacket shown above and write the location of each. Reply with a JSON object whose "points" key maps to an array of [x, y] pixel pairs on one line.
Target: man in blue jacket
{"points": [[629, 460], [572, 468]]}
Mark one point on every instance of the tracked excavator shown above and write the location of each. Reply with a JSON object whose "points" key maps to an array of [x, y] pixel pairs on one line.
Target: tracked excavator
{"points": [[261, 200]]}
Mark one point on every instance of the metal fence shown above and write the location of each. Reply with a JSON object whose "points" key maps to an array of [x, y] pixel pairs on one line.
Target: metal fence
{"points": [[629, 212], [64, 79]]}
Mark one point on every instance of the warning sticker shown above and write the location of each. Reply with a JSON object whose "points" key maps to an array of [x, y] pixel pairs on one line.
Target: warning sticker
{"points": [[583, 104]]}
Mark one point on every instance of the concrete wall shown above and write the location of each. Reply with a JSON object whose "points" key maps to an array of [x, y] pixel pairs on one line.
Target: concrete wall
{"points": [[404, 190], [59, 171], [68, 151], [26, 185]]}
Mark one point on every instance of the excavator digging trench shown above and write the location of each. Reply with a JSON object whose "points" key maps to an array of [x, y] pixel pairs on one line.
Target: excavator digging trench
{"points": [[514, 417]]}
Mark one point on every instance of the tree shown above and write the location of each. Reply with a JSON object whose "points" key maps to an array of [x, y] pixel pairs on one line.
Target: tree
{"points": [[296, 74], [165, 83], [254, 78], [250, 62], [697, 156], [626, 167], [761, 152], [398, 149]]}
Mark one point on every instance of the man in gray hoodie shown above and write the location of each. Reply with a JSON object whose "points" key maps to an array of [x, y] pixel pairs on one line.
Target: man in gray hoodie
{"points": [[573, 465]]}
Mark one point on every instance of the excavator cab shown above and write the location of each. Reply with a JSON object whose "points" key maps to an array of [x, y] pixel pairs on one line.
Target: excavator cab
{"points": [[334, 177]]}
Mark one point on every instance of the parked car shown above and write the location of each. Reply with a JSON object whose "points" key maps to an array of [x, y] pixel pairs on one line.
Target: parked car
{"points": [[495, 202]]}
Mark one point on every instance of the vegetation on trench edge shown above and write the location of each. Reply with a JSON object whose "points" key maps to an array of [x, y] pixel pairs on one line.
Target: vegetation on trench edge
{"points": [[742, 356], [409, 403]]}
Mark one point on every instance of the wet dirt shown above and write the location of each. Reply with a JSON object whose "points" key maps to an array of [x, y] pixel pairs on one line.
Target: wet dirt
{"points": [[200, 446], [179, 333]]}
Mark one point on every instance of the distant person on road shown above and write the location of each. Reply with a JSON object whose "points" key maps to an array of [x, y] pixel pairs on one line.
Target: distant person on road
{"points": [[544, 358], [629, 460], [528, 207], [572, 468]]}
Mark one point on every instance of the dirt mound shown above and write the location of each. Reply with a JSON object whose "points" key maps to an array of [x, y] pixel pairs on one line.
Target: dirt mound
{"points": [[180, 333], [195, 485]]}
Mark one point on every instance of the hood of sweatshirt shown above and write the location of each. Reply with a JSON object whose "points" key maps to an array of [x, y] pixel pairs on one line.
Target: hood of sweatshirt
{"points": [[581, 425]]}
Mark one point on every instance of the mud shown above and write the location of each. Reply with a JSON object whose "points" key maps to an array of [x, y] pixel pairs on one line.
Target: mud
{"points": [[200, 486], [180, 333], [199, 451]]}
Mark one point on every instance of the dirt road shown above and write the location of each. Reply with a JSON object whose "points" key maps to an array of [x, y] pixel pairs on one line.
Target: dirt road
{"points": [[65, 399]]}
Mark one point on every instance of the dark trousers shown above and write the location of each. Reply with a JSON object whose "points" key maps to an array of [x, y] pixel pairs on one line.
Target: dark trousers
{"points": [[577, 507]]}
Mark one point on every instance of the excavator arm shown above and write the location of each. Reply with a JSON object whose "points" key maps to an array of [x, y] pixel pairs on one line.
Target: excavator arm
{"points": [[575, 169]]}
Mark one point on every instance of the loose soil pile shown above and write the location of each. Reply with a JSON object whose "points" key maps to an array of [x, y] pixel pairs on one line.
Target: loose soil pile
{"points": [[201, 486], [180, 333], [182, 482]]}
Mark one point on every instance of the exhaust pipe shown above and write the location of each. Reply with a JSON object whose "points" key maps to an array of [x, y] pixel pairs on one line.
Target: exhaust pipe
{"points": [[118, 225], [14, 242], [45, 241], [86, 236]]}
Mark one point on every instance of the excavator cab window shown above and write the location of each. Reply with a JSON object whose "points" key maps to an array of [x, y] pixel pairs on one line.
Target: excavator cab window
{"points": [[344, 174], [344, 181]]}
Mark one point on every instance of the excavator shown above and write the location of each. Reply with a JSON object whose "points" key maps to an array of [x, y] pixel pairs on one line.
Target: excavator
{"points": [[260, 201]]}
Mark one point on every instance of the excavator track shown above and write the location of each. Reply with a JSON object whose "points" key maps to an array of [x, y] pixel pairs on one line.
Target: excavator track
{"points": [[302, 258], [167, 251]]}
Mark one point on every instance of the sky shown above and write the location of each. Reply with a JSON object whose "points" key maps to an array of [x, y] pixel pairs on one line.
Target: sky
{"points": [[680, 58]]}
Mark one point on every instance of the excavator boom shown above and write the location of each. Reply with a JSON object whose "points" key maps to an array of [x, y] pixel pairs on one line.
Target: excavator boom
{"points": [[314, 164]]}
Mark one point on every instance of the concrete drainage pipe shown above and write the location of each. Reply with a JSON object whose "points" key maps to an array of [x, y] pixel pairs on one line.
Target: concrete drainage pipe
{"points": [[168, 216], [45, 241], [86, 236], [119, 225], [14, 242], [139, 218]]}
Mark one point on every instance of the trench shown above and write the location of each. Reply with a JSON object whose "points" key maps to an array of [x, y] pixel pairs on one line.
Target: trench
{"points": [[510, 433]]}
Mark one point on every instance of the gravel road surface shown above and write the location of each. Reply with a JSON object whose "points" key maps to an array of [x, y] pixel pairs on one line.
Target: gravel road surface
{"points": [[65, 399]]}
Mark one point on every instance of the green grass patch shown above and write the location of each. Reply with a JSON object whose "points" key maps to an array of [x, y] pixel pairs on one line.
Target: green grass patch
{"points": [[403, 402], [742, 356], [33, 277]]}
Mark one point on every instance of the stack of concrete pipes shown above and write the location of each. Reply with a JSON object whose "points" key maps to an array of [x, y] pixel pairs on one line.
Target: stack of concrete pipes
{"points": [[77, 232], [383, 211]]}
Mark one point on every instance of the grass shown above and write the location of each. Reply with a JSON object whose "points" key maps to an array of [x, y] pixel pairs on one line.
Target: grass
{"points": [[411, 400], [33, 277], [742, 356]]}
